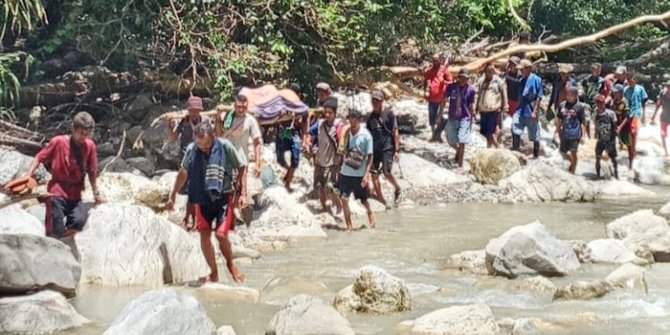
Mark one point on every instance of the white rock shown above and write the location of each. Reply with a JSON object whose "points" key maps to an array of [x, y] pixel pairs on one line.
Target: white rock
{"points": [[540, 182], [32, 263], [490, 166], [536, 284], [583, 290], [226, 292], [40, 313], [15, 220], [472, 261], [643, 229], [306, 315], [13, 164], [610, 251], [162, 312], [618, 188], [378, 292], [652, 170], [629, 276], [126, 244], [458, 320], [431, 175], [530, 250], [128, 187], [665, 210], [225, 330]]}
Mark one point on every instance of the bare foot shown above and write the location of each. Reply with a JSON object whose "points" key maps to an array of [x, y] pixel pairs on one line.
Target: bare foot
{"points": [[349, 229], [237, 275], [211, 278], [372, 220]]}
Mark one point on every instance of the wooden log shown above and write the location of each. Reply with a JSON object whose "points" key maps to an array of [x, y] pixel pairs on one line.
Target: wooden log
{"points": [[15, 141]]}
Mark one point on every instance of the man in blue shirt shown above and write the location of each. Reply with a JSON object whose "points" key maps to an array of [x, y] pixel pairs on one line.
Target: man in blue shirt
{"points": [[356, 165], [526, 114], [637, 97]]}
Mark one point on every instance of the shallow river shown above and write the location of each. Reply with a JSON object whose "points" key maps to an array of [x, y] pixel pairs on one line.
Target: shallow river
{"points": [[413, 245]]}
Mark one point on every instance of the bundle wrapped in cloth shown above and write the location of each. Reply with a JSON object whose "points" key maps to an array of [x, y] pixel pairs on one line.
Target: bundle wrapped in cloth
{"points": [[268, 103]]}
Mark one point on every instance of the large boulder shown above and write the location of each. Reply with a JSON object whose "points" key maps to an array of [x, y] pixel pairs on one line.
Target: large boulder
{"points": [[643, 229], [412, 116], [615, 189], [306, 315], [33, 263], [610, 251], [162, 312], [584, 290], [652, 170], [41, 313], [361, 101], [665, 210], [374, 291], [541, 182], [473, 261], [13, 164], [492, 165], [420, 174], [530, 250], [15, 220], [142, 164], [128, 187], [458, 320], [629, 276], [536, 284], [126, 244]]}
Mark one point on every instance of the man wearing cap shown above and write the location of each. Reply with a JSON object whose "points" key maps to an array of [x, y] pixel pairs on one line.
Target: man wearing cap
{"points": [[184, 131], [559, 89], [593, 85], [513, 80], [620, 107], [526, 114], [605, 121], [663, 102], [460, 101], [570, 119], [620, 76], [357, 148], [436, 79], [491, 101], [637, 97], [326, 160], [383, 126]]}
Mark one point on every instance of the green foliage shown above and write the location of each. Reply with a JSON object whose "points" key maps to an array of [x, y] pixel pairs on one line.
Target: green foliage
{"points": [[9, 83], [19, 15]]}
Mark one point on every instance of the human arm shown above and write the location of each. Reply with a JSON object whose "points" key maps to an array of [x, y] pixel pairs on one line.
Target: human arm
{"points": [[44, 155], [658, 106], [538, 100], [256, 135], [218, 123], [396, 139], [92, 165], [368, 164], [178, 184], [172, 131], [503, 94]]}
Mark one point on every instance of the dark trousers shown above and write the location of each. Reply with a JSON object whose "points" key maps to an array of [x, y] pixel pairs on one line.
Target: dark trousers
{"points": [[63, 213]]}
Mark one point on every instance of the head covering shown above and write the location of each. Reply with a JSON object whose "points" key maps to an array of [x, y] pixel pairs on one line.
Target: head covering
{"points": [[599, 98], [464, 73], [194, 103], [330, 103], [355, 113], [621, 69], [524, 63], [377, 95], [514, 60], [565, 68], [573, 90], [323, 86], [617, 88]]}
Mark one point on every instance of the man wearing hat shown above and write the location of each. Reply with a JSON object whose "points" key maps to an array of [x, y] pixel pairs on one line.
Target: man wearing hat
{"points": [[513, 80], [357, 148], [491, 102], [383, 126], [184, 131], [570, 119], [560, 87], [593, 85], [605, 121], [460, 101], [663, 102], [528, 111], [620, 76]]}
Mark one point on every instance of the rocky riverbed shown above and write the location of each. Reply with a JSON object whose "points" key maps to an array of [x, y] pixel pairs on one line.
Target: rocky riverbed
{"points": [[549, 252]]}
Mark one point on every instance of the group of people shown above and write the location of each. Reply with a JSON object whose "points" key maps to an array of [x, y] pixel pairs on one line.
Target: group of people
{"points": [[613, 104]]}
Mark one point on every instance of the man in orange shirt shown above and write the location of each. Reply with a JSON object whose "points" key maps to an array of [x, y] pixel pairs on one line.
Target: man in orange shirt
{"points": [[437, 78]]}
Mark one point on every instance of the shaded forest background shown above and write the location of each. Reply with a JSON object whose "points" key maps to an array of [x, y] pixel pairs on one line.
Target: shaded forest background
{"points": [[224, 44]]}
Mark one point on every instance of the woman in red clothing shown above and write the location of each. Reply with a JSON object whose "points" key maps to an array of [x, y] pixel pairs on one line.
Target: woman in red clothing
{"points": [[69, 158]]}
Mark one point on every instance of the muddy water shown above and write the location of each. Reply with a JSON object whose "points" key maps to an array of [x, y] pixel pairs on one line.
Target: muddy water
{"points": [[413, 244]]}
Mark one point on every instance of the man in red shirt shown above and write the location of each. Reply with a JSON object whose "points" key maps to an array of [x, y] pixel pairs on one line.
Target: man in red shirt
{"points": [[69, 158], [437, 78]]}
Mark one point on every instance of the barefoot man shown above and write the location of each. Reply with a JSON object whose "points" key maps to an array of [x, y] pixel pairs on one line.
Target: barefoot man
{"points": [[208, 165]]}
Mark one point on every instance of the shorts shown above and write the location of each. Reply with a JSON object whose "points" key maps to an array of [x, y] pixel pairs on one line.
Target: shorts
{"points": [[520, 123], [623, 136], [664, 129], [489, 123], [513, 104], [382, 162], [569, 145], [433, 109], [352, 185], [288, 144], [458, 131], [215, 215], [634, 124], [325, 176], [62, 213], [610, 147]]}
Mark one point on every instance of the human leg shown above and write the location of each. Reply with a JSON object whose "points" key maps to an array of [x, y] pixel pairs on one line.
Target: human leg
{"points": [[227, 251], [664, 134], [518, 127], [208, 252], [56, 216]]}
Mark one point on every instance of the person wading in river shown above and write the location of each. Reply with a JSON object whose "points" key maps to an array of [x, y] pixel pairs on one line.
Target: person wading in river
{"points": [[436, 80], [528, 110], [289, 138], [593, 85], [69, 158], [184, 132], [209, 165], [327, 162], [383, 126], [637, 97], [356, 147], [663, 102], [570, 120], [605, 121], [491, 102]]}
